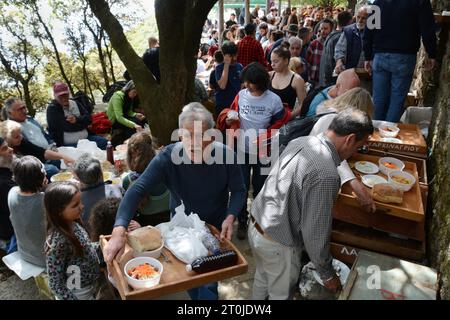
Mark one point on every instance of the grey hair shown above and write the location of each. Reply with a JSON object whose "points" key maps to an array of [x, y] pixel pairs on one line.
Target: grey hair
{"points": [[88, 170], [129, 86], [293, 40], [195, 111], [7, 127], [8, 105], [352, 121]]}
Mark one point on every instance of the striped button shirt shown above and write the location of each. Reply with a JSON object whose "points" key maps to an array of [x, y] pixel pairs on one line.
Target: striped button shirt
{"points": [[295, 205]]}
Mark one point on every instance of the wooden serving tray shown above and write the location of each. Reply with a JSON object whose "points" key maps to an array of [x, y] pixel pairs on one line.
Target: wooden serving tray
{"points": [[174, 278], [411, 207], [413, 144]]}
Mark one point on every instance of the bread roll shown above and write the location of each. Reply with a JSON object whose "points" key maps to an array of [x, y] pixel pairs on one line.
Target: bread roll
{"points": [[145, 239], [387, 193]]}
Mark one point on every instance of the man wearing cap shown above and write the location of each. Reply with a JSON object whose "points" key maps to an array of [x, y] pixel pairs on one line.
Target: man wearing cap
{"points": [[6, 183], [68, 121], [249, 49]]}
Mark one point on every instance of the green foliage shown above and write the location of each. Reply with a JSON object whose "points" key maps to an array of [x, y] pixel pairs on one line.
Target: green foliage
{"points": [[322, 3]]}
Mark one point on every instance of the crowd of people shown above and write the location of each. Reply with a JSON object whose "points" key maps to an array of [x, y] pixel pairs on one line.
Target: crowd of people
{"points": [[264, 74]]}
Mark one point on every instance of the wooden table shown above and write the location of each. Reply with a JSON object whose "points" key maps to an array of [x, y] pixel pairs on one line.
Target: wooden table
{"points": [[174, 278]]}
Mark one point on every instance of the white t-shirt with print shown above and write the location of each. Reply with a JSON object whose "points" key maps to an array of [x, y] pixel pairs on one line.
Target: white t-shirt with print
{"points": [[256, 113]]}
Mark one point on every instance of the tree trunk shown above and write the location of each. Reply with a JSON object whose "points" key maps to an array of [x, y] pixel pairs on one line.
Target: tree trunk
{"points": [[27, 97], [179, 36], [102, 59], [352, 4], [55, 48], [110, 60], [221, 22], [247, 11]]}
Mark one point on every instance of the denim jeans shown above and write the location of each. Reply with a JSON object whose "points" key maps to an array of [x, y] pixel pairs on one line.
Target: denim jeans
{"points": [[50, 170], [99, 140], [206, 292], [392, 77]]}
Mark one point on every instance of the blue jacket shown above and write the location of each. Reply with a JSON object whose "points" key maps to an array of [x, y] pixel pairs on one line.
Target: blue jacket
{"points": [[354, 46]]}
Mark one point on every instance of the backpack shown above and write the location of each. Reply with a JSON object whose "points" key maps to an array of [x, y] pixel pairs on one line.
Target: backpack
{"points": [[309, 98], [116, 86], [297, 128], [100, 123], [82, 99]]}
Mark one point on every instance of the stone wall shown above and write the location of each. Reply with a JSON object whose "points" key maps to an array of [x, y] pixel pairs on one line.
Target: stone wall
{"points": [[437, 95]]}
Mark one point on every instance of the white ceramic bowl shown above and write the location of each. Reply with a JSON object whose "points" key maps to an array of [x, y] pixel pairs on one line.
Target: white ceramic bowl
{"points": [[141, 284], [402, 174], [388, 131], [399, 164], [151, 254]]}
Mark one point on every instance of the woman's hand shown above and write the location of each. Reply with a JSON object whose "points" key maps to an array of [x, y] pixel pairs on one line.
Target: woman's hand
{"points": [[138, 128], [68, 160]]}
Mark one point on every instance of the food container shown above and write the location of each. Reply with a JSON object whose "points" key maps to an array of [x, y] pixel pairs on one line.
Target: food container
{"points": [[147, 283], [151, 254], [62, 176], [388, 164], [402, 180], [388, 131]]}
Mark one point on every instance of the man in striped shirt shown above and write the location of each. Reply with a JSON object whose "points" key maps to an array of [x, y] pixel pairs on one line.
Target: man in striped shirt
{"points": [[293, 209]]}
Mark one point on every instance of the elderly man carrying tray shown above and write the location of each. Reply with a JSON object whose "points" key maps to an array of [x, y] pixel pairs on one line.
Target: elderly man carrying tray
{"points": [[215, 191]]}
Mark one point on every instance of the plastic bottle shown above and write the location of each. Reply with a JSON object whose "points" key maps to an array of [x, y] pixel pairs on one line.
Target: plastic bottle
{"points": [[110, 153], [211, 242], [213, 262]]}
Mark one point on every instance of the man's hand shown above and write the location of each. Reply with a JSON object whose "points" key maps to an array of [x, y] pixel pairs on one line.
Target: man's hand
{"points": [[68, 161], [227, 59], [364, 198], [227, 228], [334, 284], [71, 119], [368, 66], [133, 226], [116, 245], [339, 66]]}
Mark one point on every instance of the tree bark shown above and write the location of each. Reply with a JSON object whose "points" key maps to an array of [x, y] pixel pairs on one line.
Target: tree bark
{"points": [[110, 60], [352, 4], [27, 97], [221, 22], [180, 25], [55, 48], [247, 11]]}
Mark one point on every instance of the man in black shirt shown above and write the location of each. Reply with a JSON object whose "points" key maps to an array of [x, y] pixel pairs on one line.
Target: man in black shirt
{"points": [[232, 21], [390, 51]]}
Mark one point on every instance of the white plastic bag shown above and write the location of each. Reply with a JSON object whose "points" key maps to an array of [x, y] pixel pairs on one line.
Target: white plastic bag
{"points": [[182, 235]]}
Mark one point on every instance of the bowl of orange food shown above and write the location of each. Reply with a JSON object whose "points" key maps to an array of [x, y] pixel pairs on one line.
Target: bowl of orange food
{"points": [[402, 180], [388, 131], [143, 272], [388, 164]]}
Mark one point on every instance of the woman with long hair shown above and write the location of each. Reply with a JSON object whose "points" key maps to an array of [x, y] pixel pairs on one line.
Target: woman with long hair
{"points": [[288, 85]]}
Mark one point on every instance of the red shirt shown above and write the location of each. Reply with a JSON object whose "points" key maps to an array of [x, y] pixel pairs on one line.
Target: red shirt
{"points": [[250, 50]]}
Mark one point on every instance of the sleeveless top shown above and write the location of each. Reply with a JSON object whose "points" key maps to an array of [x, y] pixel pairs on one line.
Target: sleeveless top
{"points": [[288, 95]]}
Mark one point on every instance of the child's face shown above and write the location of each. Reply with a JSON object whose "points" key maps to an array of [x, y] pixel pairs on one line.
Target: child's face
{"points": [[73, 210]]}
